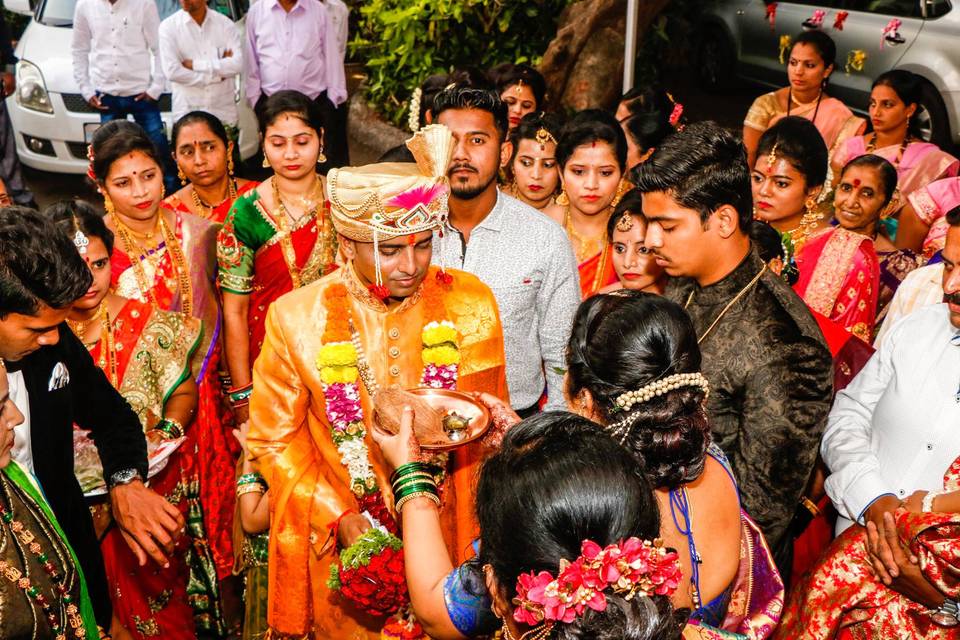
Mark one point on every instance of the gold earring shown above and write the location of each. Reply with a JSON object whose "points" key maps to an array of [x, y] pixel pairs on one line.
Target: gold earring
{"points": [[108, 204], [230, 165], [562, 199], [163, 191], [266, 163], [320, 157], [181, 175]]}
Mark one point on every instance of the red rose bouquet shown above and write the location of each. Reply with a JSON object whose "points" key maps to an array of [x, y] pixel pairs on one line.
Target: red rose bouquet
{"points": [[370, 573]]}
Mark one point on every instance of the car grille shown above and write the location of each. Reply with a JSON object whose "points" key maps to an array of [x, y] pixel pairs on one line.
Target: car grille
{"points": [[75, 103], [78, 150]]}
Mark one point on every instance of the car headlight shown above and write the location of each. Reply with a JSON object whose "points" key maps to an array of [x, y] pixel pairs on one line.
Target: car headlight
{"points": [[31, 89]]}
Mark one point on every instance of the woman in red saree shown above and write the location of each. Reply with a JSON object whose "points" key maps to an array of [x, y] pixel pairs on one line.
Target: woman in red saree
{"points": [[204, 156], [839, 269], [894, 101], [841, 597], [592, 153], [167, 259], [810, 62], [276, 238], [145, 353]]}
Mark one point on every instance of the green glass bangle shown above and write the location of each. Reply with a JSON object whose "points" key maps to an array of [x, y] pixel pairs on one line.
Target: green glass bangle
{"points": [[407, 468], [416, 475], [251, 478], [412, 479], [415, 488]]}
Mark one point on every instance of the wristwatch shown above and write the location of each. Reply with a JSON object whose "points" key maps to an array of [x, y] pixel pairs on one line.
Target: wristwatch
{"points": [[124, 476], [948, 615]]}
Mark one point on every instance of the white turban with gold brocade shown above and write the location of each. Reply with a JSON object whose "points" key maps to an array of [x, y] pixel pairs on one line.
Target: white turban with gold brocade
{"points": [[389, 199]]}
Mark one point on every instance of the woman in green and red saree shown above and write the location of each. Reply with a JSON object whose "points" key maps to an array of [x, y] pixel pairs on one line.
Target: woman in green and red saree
{"points": [[276, 238], [146, 353]]}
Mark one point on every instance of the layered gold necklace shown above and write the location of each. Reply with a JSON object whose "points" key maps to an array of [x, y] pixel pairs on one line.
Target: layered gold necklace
{"points": [[79, 327], [139, 254], [585, 247], [284, 219]]}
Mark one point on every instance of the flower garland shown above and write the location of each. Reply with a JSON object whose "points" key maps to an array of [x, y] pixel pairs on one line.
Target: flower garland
{"points": [[340, 361]]}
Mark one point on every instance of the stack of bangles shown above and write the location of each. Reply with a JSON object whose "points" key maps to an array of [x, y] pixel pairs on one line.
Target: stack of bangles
{"points": [[240, 397], [413, 480], [170, 428], [251, 483]]}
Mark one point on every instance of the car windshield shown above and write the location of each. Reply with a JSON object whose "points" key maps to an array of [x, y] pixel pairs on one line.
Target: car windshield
{"points": [[59, 13]]}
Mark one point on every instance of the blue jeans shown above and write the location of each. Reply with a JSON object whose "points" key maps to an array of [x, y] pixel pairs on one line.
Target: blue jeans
{"points": [[146, 113]]}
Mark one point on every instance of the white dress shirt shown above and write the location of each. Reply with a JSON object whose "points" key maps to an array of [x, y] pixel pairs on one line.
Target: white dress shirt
{"points": [[112, 47], [893, 429], [211, 85], [22, 450], [527, 261], [339, 15]]}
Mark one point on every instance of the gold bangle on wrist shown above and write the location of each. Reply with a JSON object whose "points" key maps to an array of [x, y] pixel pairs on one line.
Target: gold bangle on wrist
{"points": [[420, 494], [810, 506], [255, 487]]}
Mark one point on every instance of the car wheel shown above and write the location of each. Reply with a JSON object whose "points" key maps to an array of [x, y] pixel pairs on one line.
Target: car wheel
{"points": [[716, 59], [931, 119]]}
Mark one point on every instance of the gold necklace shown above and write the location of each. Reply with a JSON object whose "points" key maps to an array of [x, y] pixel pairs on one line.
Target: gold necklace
{"points": [[286, 241], [872, 145], [79, 327], [808, 223], [588, 246], [108, 350], [206, 210], [180, 266], [136, 261], [737, 297], [797, 102]]}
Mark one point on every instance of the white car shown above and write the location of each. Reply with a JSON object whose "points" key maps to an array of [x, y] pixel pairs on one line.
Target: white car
{"points": [[51, 121]]}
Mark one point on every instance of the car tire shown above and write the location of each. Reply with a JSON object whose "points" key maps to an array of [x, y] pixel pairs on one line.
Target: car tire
{"points": [[933, 120], [716, 59]]}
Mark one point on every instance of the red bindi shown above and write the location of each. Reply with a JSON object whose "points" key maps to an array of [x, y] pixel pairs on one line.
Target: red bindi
{"points": [[593, 144], [411, 239], [856, 182]]}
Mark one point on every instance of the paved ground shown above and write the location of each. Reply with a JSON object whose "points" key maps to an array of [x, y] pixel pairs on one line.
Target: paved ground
{"points": [[727, 108]]}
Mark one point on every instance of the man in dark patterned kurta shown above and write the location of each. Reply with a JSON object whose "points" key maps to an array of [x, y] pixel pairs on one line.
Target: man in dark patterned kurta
{"points": [[768, 365]]}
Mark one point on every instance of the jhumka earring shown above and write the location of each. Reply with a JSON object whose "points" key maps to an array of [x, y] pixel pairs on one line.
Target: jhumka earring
{"points": [[181, 175], [108, 204], [321, 158], [230, 165], [621, 190], [562, 199], [266, 163]]}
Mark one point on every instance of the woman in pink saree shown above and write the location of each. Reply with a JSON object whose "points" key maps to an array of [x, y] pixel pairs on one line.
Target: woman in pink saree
{"points": [[923, 221], [894, 100], [811, 61]]}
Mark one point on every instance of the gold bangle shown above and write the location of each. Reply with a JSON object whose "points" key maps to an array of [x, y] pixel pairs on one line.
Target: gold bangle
{"points": [[810, 506], [254, 487], [420, 494]]}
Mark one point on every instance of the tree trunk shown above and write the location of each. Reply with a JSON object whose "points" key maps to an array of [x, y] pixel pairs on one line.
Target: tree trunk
{"points": [[583, 65]]}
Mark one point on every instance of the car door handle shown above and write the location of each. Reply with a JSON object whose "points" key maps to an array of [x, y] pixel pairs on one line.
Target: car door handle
{"points": [[894, 38]]}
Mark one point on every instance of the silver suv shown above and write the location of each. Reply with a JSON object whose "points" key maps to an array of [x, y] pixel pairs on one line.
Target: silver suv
{"points": [[735, 40]]}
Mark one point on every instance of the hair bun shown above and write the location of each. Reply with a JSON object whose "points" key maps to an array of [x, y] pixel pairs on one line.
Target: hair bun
{"points": [[640, 618]]}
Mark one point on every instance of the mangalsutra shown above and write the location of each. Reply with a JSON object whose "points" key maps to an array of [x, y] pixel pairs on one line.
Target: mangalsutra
{"points": [[872, 145], [206, 210], [286, 242], [79, 327], [180, 266]]}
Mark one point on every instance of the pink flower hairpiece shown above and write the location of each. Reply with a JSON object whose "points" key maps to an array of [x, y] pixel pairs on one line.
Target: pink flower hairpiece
{"points": [[630, 568], [676, 114]]}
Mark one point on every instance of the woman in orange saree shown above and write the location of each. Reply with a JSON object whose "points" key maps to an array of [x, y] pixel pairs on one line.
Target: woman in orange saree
{"points": [[145, 353], [839, 269], [592, 153], [167, 259], [276, 238], [204, 156], [811, 61]]}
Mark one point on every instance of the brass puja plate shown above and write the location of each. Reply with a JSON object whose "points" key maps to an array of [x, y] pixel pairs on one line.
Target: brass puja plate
{"points": [[449, 402]]}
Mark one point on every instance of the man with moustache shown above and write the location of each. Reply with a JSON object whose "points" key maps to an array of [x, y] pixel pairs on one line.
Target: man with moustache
{"points": [[769, 368], [56, 384], [892, 430], [522, 255], [386, 318]]}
